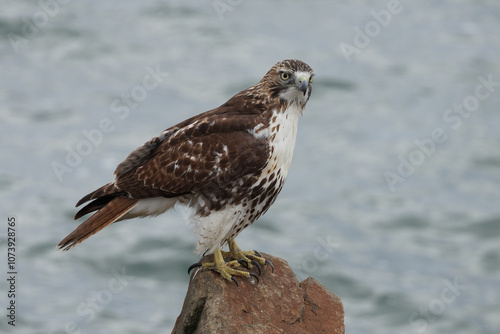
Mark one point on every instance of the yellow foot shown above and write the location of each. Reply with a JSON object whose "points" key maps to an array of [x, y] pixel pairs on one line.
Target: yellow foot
{"points": [[247, 259], [225, 269]]}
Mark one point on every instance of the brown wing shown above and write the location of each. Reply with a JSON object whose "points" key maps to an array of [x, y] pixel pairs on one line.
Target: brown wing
{"points": [[239, 114], [211, 148], [184, 157], [209, 151], [194, 163]]}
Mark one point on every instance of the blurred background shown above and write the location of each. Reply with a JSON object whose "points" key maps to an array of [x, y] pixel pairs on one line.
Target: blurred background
{"points": [[392, 201]]}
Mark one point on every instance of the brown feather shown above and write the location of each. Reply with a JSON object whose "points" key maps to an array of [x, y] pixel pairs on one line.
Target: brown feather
{"points": [[107, 189], [94, 205], [107, 215], [196, 162]]}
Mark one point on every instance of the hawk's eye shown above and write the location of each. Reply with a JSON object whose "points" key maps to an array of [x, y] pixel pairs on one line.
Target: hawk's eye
{"points": [[285, 76]]}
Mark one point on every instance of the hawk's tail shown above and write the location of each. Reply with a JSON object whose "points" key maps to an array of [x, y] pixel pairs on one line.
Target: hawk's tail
{"points": [[107, 214]]}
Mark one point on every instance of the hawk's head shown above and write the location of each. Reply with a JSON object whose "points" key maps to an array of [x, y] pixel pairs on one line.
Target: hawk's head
{"points": [[290, 80]]}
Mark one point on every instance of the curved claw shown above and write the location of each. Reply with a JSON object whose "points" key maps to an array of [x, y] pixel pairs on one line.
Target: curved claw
{"points": [[271, 264], [257, 253], [234, 280], [194, 265], [243, 262], [255, 263], [254, 276]]}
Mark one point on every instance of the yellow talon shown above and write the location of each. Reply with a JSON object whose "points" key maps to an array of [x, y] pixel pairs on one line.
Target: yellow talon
{"points": [[249, 256], [225, 269], [247, 259]]}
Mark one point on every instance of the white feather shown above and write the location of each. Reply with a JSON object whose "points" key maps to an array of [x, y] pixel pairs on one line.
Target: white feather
{"points": [[151, 207], [284, 141], [214, 229]]}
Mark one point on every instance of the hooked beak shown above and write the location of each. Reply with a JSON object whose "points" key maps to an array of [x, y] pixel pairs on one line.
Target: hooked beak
{"points": [[303, 83]]}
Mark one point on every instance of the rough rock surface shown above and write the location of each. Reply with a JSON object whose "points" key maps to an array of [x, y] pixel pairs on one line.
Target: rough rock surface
{"points": [[277, 304]]}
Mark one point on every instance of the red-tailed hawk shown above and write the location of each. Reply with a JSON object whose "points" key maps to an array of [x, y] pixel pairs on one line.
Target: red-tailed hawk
{"points": [[227, 164]]}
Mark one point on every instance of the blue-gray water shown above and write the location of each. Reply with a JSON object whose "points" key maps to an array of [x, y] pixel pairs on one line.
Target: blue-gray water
{"points": [[420, 254]]}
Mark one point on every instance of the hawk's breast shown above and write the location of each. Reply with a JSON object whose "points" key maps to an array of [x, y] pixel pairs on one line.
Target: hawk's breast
{"points": [[281, 133]]}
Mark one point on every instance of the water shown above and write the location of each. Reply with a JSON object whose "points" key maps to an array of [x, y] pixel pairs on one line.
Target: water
{"points": [[420, 257]]}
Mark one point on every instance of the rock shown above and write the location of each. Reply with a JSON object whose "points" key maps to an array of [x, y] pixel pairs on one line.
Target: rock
{"points": [[278, 303]]}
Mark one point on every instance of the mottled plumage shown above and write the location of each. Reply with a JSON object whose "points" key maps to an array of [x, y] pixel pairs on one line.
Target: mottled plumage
{"points": [[227, 164]]}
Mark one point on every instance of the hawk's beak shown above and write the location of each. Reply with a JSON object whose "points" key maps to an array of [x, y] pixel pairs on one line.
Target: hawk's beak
{"points": [[303, 83]]}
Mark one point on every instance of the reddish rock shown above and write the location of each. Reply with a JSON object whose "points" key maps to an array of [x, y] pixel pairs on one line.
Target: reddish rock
{"points": [[277, 304]]}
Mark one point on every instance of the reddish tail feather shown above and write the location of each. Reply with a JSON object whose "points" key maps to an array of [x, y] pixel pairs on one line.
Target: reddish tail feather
{"points": [[107, 214]]}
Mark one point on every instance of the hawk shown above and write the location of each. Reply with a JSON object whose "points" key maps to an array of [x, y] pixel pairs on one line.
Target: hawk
{"points": [[227, 165]]}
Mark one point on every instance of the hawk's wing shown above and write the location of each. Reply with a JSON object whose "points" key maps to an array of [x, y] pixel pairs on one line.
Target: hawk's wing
{"points": [[212, 148], [185, 165], [192, 156]]}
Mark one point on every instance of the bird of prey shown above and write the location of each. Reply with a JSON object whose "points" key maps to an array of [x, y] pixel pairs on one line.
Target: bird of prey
{"points": [[227, 165]]}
